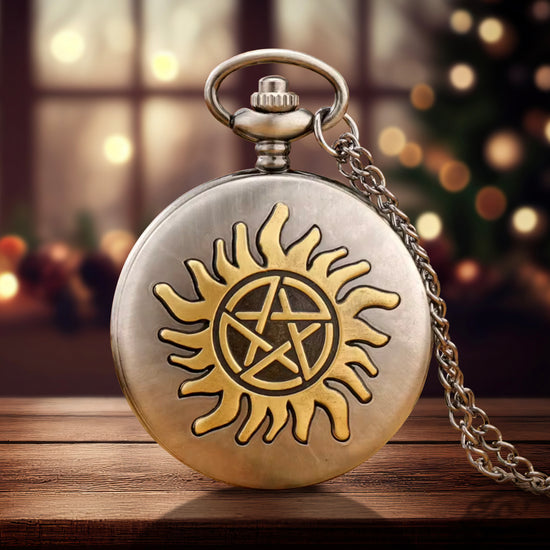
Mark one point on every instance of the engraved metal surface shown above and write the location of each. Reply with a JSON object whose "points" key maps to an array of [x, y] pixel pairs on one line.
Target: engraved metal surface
{"points": [[281, 362], [275, 332]]}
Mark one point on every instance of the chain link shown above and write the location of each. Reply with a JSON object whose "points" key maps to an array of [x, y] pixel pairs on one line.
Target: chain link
{"points": [[479, 438]]}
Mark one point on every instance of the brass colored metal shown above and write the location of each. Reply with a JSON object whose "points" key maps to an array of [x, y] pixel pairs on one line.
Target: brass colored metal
{"points": [[275, 333]]}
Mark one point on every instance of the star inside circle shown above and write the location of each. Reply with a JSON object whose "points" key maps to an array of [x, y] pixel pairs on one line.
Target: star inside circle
{"points": [[276, 331]]}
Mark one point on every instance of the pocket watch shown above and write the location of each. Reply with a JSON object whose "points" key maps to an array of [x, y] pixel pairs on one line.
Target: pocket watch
{"points": [[273, 328]]}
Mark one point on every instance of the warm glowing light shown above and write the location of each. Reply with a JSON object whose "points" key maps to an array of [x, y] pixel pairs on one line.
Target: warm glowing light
{"points": [[490, 203], [411, 155], [422, 96], [13, 247], [461, 21], [467, 271], [503, 150], [547, 130], [117, 245], [462, 76], [67, 46], [58, 252], [541, 10], [454, 176], [429, 225], [534, 122], [525, 220], [391, 141], [165, 66], [491, 30], [435, 158], [9, 285], [542, 78], [117, 149]]}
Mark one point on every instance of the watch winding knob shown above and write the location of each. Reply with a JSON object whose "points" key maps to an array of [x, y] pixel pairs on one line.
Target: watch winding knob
{"points": [[273, 95]]}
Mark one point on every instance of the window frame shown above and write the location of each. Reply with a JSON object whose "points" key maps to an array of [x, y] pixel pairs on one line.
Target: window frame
{"points": [[255, 26]]}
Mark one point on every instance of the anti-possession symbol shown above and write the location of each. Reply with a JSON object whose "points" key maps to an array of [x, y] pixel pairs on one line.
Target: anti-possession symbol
{"points": [[294, 327], [281, 332]]}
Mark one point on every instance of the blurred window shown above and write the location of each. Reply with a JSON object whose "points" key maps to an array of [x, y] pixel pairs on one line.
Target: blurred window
{"points": [[118, 126]]}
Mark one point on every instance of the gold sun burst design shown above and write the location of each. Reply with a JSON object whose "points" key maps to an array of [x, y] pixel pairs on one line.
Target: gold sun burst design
{"points": [[275, 333]]}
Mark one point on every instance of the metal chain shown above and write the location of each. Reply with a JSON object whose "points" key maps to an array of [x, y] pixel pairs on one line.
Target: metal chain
{"points": [[482, 441]]}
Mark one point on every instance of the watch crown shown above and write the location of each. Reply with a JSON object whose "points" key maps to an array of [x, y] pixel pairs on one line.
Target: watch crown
{"points": [[273, 96]]}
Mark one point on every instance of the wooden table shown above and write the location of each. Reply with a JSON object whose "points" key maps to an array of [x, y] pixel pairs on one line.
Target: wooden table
{"points": [[82, 471]]}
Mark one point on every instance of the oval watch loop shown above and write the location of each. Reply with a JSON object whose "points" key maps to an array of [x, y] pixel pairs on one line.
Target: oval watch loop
{"points": [[289, 57]]}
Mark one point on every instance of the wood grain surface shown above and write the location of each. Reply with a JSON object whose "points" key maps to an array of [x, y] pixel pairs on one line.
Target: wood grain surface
{"points": [[83, 472]]}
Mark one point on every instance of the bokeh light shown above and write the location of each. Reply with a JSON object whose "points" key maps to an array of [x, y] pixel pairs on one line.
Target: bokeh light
{"points": [[534, 121], [9, 285], [490, 203], [435, 157], [454, 176], [117, 244], [462, 76], [503, 150], [391, 141], [429, 226], [491, 30], [542, 78], [541, 10], [67, 46], [13, 247], [411, 155], [467, 271], [165, 66], [525, 220], [461, 21], [117, 149], [422, 96], [58, 252], [547, 130]]}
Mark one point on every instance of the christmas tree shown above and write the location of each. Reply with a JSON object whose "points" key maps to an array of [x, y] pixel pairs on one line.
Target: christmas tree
{"points": [[486, 117]]}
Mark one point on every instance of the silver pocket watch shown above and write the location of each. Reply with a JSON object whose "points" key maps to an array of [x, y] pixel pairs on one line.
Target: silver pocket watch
{"points": [[273, 328]]}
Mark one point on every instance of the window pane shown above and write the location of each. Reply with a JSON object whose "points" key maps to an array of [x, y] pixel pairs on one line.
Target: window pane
{"points": [[400, 39], [184, 147], [324, 28], [186, 39], [83, 160], [84, 43]]}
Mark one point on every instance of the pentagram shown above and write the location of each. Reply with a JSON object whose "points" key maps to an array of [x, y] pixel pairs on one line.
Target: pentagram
{"points": [[274, 336], [275, 332]]}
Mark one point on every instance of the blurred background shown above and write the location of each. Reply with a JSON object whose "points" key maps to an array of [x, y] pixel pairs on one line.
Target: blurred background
{"points": [[103, 124]]}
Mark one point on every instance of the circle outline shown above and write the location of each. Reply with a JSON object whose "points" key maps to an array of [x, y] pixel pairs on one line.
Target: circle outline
{"points": [[221, 309]]}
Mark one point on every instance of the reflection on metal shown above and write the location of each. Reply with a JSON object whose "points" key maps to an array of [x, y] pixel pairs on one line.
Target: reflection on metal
{"points": [[276, 332]]}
